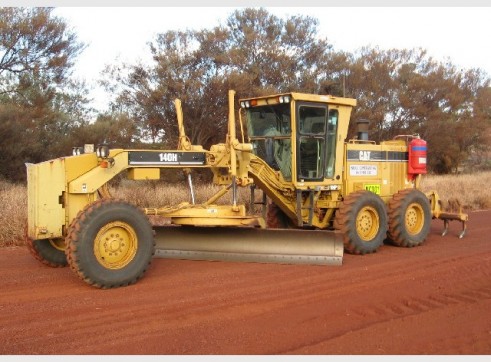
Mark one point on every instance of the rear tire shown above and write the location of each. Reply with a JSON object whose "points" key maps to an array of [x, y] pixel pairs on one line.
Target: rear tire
{"points": [[362, 219], [110, 244], [409, 218], [50, 252]]}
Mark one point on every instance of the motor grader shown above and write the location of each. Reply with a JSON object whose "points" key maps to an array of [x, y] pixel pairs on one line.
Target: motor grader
{"points": [[321, 194]]}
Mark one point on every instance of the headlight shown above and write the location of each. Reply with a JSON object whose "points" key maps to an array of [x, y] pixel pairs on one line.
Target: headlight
{"points": [[284, 99], [77, 151], [245, 104], [102, 151]]}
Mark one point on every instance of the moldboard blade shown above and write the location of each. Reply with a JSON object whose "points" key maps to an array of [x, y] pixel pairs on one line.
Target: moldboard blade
{"points": [[284, 246]]}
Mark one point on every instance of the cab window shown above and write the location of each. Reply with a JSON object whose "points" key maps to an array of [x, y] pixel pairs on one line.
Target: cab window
{"points": [[311, 151]]}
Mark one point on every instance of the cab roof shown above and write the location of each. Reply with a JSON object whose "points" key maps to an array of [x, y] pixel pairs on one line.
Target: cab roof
{"points": [[321, 98]]}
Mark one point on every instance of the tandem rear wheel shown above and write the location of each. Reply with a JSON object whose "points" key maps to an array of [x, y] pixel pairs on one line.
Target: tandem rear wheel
{"points": [[110, 244], [362, 220], [365, 222], [409, 218]]}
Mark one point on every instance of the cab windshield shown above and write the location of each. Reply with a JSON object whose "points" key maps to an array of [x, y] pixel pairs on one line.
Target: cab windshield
{"points": [[269, 130]]}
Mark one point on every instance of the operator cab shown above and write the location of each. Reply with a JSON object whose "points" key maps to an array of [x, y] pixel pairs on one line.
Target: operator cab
{"points": [[310, 134]]}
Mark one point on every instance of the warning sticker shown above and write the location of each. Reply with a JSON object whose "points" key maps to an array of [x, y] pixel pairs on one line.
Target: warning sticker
{"points": [[363, 170], [375, 188]]}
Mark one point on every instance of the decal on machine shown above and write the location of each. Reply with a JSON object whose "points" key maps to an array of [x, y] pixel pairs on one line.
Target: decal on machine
{"points": [[377, 156], [168, 157], [375, 188], [149, 158], [363, 170]]}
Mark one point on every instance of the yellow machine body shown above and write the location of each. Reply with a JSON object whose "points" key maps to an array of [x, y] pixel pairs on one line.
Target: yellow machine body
{"points": [[50, 205], [381, 169], [324, 191]]}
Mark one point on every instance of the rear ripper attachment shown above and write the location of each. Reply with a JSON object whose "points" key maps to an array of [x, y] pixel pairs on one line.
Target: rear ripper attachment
{"points": [[453, 213]]}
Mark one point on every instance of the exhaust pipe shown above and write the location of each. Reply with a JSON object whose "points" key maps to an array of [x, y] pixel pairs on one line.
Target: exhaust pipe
{"points": [[362, 126]]}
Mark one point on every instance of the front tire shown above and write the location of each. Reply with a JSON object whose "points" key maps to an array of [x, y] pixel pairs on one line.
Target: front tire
{"points": [[50, 252], [409, 218], [362, 219], [110, 244]]}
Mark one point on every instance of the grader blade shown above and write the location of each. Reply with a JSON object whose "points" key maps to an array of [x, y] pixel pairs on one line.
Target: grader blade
{"points": [[283, 246]]}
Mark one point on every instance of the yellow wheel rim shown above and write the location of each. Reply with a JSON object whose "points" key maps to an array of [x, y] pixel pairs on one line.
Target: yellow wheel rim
{"points": [[115, 245], [58, 244], [414, 218], [367, 223]]}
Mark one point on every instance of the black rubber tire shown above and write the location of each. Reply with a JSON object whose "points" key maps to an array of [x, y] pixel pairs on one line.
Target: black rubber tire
{"points": [[49, 252], [84, 242], [409, 218], [276, 218], [362, 210]]}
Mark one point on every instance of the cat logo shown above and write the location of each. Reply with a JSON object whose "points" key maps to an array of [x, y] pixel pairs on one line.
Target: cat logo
{"points": [[364, 155]]}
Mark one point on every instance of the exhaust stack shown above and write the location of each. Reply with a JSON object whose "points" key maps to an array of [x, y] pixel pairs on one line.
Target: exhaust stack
{"points": [[362, 126]]}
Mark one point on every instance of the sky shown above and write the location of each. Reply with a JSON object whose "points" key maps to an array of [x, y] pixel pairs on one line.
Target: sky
{"points": [[121, 34]]}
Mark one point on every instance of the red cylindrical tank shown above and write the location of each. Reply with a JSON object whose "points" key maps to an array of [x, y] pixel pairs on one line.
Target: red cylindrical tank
{"points": [[417, 157]]}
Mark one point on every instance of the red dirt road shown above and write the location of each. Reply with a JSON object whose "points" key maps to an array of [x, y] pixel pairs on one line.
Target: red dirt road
{"points": [[433, 299]]}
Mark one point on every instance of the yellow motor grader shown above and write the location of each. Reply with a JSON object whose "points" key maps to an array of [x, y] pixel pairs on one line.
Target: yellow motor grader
{"points": [[322, 194]]}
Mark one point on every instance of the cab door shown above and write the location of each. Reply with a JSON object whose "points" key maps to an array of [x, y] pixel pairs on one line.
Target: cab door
{"points": [[311, 141]]}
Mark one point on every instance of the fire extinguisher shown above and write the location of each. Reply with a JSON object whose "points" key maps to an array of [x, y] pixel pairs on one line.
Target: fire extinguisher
{"points": [[417, 157]]}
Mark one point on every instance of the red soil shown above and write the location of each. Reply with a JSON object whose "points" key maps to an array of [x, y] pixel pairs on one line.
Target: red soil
{"points": [[433, 299]]}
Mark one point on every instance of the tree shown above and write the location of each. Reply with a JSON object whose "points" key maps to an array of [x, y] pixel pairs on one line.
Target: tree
{"points": [[40, 105], [115, 130], [254, 53], [273, 53], [407, 92], [400, 91], [34, 43]]}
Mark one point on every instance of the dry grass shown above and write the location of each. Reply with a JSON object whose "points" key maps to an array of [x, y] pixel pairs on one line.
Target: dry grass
{"points": [[13, 218], [472, 190], [155, 194]]}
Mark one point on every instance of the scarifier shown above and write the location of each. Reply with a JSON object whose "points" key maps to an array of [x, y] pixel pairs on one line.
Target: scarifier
{"points": [[321, 195]]}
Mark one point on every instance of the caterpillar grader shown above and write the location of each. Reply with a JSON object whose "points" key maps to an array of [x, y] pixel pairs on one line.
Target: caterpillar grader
{"points": [[321, 195]]}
